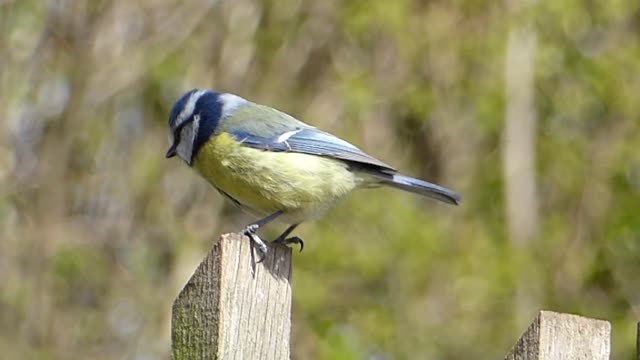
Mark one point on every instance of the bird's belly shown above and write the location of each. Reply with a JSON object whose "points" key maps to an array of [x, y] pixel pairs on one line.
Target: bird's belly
{"points": [[302, 186]]}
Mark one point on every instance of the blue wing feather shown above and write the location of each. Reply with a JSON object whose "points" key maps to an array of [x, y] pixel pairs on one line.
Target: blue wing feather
{"points": [[311, 141]]}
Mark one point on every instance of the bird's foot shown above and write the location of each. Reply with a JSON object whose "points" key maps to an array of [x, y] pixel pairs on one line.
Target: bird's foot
{"points": [[251, 228], [261, 247], [290, 240]]}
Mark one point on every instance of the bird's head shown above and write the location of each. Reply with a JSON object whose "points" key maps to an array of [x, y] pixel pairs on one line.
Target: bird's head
{"points": [[195, 117]]}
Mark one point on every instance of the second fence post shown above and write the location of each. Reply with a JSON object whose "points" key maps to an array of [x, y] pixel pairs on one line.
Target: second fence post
{"points": [[555, 336]]}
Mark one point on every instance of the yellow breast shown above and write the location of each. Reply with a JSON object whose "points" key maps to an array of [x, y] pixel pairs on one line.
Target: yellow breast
{"points": [[300, 185]]}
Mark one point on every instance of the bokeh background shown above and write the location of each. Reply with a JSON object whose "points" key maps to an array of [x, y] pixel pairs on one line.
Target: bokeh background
{"points": [[527, 108]]}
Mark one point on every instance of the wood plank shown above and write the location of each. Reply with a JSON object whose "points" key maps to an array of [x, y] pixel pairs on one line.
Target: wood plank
{"points": [[555, 336], [229, 311]]}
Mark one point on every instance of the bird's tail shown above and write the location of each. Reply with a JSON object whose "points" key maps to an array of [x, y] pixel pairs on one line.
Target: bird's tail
{"points": [[421, 187]]}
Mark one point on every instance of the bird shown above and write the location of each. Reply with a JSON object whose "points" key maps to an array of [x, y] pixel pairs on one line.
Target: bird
{"points": [[274, 166]]}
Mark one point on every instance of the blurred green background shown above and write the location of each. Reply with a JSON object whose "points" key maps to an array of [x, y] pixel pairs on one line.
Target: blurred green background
{"points": [[527, 108]]}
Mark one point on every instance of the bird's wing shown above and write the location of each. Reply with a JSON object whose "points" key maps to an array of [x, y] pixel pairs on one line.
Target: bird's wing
{"points": [[309, 140], [273, 130]]}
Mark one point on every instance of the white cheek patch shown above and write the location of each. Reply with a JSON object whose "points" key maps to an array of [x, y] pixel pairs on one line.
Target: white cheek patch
{"points": [[185, 145], [187, 139]]}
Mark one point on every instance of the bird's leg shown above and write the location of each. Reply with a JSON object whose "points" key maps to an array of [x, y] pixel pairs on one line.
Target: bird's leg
{"points": [[251, 229], [284, 240]]}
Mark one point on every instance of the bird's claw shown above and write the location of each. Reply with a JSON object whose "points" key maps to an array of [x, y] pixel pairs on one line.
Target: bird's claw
{"points": [[261, 247], [252, 228], [291, 240]]}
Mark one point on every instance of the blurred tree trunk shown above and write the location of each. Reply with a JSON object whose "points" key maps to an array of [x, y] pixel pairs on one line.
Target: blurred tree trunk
{"points": [[518, 151]]}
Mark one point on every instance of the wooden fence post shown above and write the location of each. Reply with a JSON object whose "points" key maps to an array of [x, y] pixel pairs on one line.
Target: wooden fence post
{"points": [[226, 311], [554, 336]]}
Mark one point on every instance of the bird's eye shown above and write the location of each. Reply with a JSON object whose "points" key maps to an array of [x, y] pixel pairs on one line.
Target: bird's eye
{"points": [[178, 129], [175, 135]]}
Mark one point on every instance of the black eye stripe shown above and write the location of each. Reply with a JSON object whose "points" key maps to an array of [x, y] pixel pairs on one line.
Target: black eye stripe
{"points": [[176, 135], [183, 124], [178, 129]]}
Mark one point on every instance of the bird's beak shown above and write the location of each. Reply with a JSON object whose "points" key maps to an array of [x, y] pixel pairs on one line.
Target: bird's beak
{"points": [[172, 151]]}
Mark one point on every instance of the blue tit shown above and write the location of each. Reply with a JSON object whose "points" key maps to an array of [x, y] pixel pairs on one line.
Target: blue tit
{"points": [[273, 165]]}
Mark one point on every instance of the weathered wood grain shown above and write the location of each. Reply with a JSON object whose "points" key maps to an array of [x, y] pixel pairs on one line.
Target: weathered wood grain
{"points": [[226, 311], [554, 336], [638, 342]]}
